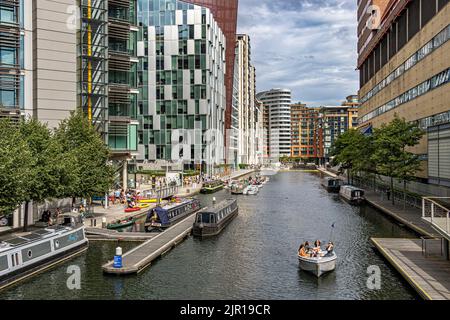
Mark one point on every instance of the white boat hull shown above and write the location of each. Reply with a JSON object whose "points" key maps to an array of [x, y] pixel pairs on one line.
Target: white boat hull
{"points": [[318, 266]]}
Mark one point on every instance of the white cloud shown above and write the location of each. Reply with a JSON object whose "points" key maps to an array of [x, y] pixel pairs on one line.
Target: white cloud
{"points": [[307, 46]]}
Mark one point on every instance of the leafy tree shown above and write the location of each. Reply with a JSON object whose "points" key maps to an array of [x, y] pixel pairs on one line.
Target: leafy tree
{"points": [[53, 173], [352, 150], [390, 151], [16, 164], [82, 144]]}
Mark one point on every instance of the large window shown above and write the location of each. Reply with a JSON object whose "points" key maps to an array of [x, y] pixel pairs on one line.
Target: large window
{"points": [[7, 56], [7, 15]]}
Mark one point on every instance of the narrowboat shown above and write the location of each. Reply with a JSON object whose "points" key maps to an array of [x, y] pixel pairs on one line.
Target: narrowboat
{"points": [[211, 221], [352, 195], [166, 216], [211, 187], [332, 184], [26, 255]]}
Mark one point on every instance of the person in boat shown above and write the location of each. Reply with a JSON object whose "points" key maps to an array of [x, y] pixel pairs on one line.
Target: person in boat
{"points": [[317, 249], [308, 247], [302, 251], [329, 249]]}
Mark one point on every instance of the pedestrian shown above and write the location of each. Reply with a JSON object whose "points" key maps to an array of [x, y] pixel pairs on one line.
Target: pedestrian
{"points": [[388, 193]]}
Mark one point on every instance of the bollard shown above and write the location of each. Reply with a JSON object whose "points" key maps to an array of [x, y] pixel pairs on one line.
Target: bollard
{"points": [[103, 222], [118, 258]]}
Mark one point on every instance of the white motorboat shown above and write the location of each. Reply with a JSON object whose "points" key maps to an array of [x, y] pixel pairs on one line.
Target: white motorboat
{"points": [[251, 190], [318, 265]]}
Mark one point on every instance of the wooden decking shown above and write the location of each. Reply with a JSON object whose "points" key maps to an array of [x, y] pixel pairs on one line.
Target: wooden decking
{"points": [[135, 260], [428, 275]]}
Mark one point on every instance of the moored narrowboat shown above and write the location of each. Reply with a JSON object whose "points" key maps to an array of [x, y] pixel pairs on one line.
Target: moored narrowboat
{"points": [[211, 221], [163, 217], [212, 187], [332, 184], [26, 255], [352, 195]]}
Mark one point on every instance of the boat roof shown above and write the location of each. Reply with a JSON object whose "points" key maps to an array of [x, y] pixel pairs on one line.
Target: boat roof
{"points": [[177, 204], [351, 187], [221, 205], [37, 235]]}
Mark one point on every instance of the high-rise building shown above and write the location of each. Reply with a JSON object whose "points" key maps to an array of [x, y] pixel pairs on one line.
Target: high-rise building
{"points": [[225, 12], [247, 112], [306, 132], [405, 70], [181, 76], [277, 113]]}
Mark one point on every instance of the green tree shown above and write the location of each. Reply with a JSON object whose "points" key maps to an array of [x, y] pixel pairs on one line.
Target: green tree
{"points": [[82, 144], [390, 151], [352, 151], [16, 164], [53, 173]]}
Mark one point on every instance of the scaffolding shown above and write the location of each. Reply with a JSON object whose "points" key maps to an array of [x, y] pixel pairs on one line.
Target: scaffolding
{"points": [[94, 62]]}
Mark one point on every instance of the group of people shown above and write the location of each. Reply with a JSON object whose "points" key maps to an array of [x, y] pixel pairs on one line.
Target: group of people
{"points": [[49, 217], [308, 251]]}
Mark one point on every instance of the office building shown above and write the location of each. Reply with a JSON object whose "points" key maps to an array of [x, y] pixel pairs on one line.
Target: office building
{"points": [[181, 79], [306, 134], [404, 69]]}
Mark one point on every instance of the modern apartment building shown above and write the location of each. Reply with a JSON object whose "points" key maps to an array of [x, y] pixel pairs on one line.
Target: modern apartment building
{"points": [[247, 111], [405, 70], [225, 13], [181, 80], [306, 132], [334, 121], [277, 113]]}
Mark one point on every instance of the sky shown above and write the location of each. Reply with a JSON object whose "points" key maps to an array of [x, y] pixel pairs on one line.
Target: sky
{"points": [[308, 46]]}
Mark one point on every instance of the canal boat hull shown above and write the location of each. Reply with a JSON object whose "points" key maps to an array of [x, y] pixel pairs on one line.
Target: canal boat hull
{"points": [[211, 190], [318, 265], [210, 231]]}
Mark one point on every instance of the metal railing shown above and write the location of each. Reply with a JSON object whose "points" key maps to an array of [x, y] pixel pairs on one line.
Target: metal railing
{"points": [[435, 212]]}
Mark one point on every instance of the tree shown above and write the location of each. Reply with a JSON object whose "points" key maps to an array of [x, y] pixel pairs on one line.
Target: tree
{"points": [[352, 151], [82, 144], [390, 151], [16, 164], [53, 171]]}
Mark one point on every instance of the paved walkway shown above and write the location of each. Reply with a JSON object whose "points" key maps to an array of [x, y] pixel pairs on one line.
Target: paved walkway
{"points": [[409, 216], [428, 275]]}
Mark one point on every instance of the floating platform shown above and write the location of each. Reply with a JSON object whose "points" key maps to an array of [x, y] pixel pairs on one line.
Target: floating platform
{"points": [[137, 259], [107, 234], [428, 275]]}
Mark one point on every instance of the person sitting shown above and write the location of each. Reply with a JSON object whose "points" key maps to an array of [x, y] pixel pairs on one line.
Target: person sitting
{"points": [[317, 249], [302, 251], [329, 249], [308, 248]]}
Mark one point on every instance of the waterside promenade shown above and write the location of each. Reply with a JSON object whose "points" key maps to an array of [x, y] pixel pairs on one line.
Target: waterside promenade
{"points": [[421, 261]]}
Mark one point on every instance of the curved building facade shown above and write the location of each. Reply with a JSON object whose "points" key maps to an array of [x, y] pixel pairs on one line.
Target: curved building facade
{"points": [[277, 110]]}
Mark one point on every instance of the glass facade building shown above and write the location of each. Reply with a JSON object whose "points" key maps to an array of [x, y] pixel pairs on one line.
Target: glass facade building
{"points": [[11, 59], [181, 84]]}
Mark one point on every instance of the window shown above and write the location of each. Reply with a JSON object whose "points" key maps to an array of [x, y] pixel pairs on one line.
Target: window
{"points": [[7, 56], [7, 15]]}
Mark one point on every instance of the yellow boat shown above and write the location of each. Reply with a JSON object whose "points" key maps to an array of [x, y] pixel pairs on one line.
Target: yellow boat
{"points": [[143, 205], [148, 201]]}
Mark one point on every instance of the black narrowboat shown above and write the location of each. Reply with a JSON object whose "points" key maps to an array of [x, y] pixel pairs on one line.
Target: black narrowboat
{"points": [[211, 221], [332, 184]]}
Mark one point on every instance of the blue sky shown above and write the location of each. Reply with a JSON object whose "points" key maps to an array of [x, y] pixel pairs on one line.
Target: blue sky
{"points": [[308, 46]]}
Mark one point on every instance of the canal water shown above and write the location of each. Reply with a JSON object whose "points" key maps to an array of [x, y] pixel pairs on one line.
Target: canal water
{"points": [[254, 258]]}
